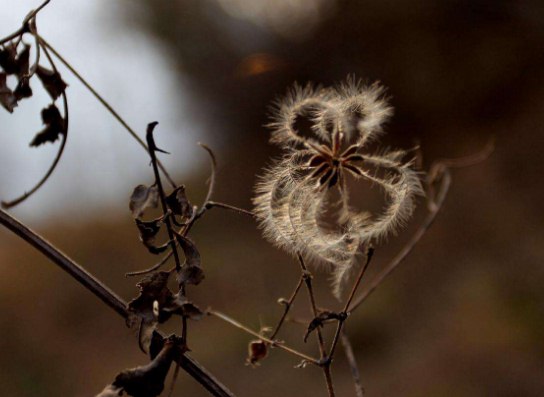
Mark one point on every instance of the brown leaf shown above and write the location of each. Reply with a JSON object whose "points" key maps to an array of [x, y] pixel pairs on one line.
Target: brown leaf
{"points": [[191, 271], [23, 61], [23, 89], [8, 60], [257, 351], [320, 320], [52, 81], [54, 126], [7, 98], [147, 380], [143, 197], [154, 294], [179, 204], [148, 231]]}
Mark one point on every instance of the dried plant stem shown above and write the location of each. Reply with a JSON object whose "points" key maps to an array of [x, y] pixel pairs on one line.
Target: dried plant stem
{"points": [[104, 103], [273, 343], [174, 378], [88, 281], [354, 369], [325, 363], [171, 232], [287, 306]]}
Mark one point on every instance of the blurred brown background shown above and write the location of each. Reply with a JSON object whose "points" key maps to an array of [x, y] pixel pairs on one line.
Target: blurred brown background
{"points": [[464, 315]]}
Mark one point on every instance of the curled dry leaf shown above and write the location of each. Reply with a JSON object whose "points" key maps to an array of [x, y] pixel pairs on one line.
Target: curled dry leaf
{"points": [[7, 97], [155, 296], [8, 59], [54, 126], [320, 320], [23, 89], [147, 380], [191, 271], [23, 62], [148, 231], [52, 81], [179, 204], [143, 197], [257, 351]]}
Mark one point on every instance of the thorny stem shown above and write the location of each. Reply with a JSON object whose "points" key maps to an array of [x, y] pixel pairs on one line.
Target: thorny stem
{"points": [[92, 284], [53, 166], [288, 304], [354, 369], [325, 363], [104, 103], [152, 149], [171, 233], [271, 342]]}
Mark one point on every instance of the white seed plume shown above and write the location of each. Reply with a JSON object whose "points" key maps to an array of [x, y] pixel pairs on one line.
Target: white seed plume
{"points": [[294, 195]]}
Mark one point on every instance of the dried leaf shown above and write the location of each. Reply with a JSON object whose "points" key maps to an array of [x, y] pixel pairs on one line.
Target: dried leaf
{"points": [[143, 197], [320, 320], [23, 62], [257, 351], [147, 380], [7, 98], [179, 204], [8, 60], [153, 289], [191, 271], [54, 126], [186, 308], [52, 81], [148, 231], [23, 89]]}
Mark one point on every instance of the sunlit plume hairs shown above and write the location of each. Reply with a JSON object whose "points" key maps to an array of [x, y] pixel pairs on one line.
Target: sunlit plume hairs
{"points": [[294, 197]]}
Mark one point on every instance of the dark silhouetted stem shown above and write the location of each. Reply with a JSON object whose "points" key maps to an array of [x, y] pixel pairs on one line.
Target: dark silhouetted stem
{"points": [[87, 280]]}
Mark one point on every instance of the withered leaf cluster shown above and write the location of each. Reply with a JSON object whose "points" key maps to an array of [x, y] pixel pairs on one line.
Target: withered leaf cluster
{"points": [[155, 304], [15, 61], [147, 197]]}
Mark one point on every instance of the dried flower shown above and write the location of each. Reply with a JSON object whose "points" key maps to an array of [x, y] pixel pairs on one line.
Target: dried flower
{"points": [[295, 195]]}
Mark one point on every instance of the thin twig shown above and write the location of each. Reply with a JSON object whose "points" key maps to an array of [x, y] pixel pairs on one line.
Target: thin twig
{"points": [[152, 149], [326, 364], [287, 306], [352, 362], [92, 284], [211, 186], [271, 342], [104, 103], [345, 312], [174, 378]]}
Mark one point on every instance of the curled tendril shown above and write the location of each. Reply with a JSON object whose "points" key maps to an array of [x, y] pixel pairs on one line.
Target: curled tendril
{"points": [[294, 195]]}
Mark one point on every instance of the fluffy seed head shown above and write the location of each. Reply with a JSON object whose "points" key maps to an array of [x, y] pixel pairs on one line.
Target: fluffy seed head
{"points": [[294, 196]]}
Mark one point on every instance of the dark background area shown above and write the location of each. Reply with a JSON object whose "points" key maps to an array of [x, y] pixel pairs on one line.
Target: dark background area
{"points": [[464, 315]]}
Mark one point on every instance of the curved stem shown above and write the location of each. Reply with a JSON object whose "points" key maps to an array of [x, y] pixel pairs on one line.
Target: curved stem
{"points": [[104, 103]]}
